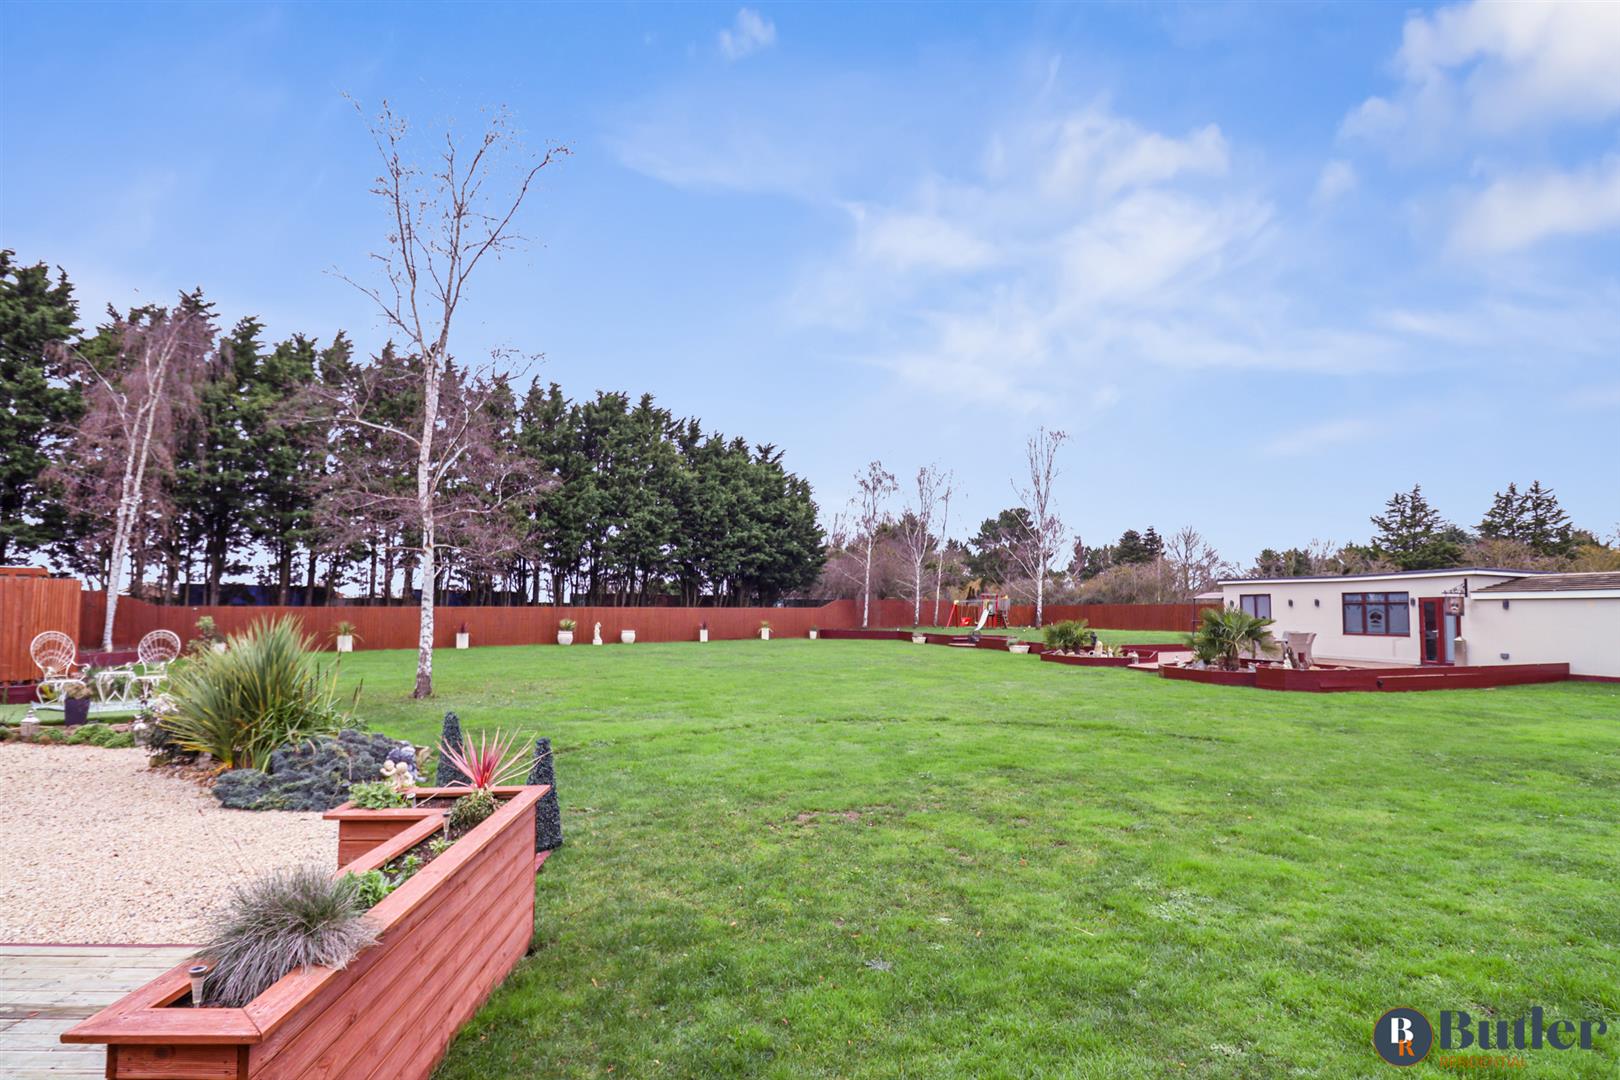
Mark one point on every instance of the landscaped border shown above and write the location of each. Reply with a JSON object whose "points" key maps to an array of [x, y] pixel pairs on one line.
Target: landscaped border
{"points": [[448, 936], [1335, 680]]}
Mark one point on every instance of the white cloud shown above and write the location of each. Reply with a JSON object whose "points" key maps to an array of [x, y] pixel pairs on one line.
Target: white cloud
{"points": [[1321, 436], [1499, 67], [750, 33], [917, 241], [1517, 211], [1338, 179]]}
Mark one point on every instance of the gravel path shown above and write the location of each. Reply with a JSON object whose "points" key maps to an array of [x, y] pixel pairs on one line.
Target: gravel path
{"points": [[98, 848]]}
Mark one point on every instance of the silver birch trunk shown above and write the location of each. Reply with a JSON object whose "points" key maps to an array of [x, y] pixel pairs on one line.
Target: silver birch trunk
{"points": [[425, 487]]}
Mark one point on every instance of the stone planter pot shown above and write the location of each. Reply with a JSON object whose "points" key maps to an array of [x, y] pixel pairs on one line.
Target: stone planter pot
{"points": [[764, 635], [345, 643], [448, 936], [703, 634], [463, 640], [919, 639], [1020, 648], [565, 637], [814, 634], [76, 710], [627, 637]]}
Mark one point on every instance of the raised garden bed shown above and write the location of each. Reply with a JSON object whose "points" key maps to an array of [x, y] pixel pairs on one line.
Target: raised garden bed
{"points": [[1081, 660], [448, 936], [1335, 680]]}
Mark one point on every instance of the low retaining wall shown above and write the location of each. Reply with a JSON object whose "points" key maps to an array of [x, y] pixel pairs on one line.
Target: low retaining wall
{"points": [[1336, 680], [450, 934], [1087, 661]]}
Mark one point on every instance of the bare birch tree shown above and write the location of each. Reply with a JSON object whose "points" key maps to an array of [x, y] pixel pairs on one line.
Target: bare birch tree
{"points": [[121, 447], [443, 223], [916, 531], [944, 537], [871, 507], [1041, 531]]}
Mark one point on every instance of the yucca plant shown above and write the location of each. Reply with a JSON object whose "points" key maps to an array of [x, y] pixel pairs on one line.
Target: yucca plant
{"points": [[264, 692], [1225, 634], [277, 923], [494, 760]]}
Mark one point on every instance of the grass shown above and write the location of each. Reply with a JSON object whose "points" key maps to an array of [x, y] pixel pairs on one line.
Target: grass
{"points": [[863, 859]]}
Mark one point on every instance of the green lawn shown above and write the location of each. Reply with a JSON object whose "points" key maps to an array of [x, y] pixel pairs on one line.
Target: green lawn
{"points": [[863, 859]]}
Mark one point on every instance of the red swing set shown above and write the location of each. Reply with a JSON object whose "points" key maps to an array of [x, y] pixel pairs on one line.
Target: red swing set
{"points": [[983, 611]]}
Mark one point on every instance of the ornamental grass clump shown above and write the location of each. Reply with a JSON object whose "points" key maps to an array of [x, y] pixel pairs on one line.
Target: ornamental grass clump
{"points": [[278, 923], [263, 693], [495, 759]]}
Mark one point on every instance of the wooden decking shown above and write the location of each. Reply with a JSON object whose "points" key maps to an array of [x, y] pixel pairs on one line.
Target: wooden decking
{"points": [[46, 989]]}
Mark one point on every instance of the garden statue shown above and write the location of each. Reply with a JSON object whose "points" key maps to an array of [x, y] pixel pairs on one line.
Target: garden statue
{"points": [[399, 775], [404, 755], [597, 638]]}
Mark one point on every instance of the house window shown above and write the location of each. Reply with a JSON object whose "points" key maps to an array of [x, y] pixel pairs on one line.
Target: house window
{"points": [[1379, 614], [1256, 604]]}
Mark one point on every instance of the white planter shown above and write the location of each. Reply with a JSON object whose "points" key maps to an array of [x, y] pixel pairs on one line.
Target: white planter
{"points": [[1020, 648], [919, 639], [814, 634], [345, 643], [462, 640], [764, 635], [627, 637], [565, 637], [218, 646], [703, 634]]}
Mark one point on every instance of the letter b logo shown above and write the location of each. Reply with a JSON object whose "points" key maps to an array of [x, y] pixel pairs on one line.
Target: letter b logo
{"points": [[1403, 1036]]}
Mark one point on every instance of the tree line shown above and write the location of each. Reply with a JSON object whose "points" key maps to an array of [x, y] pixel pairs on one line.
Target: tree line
{"points": [[250, 468]]}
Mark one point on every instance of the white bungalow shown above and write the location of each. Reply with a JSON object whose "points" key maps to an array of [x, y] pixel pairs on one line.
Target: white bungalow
{"points": [[1466, 615]]}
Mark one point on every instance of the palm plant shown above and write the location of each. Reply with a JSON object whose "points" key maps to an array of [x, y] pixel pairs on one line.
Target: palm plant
{"points": [[1224, 635], [496, 759], [264, 693]]}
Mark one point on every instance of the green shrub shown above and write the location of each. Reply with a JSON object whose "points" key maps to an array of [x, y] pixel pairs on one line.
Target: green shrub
{"points": [[469, 810], [99, 734], [278, 923], [264, 692], [370, 888], [1069, 635], [376, 795]]}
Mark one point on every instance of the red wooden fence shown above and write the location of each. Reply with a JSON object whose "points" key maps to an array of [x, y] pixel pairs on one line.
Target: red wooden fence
{"points": [[31, 603], [396, 627]]}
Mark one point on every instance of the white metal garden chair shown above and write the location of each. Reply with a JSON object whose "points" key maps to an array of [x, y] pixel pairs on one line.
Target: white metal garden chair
{"points": [[57, 658], [156, 651], [153, 655]]}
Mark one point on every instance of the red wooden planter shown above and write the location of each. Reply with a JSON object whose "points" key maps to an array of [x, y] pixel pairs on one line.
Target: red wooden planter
{"points": [[1209, 675], [1087, 661], [449, 935]]}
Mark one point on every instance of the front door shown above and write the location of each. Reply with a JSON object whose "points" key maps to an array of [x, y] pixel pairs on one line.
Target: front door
{"points": [[1438, 629]]}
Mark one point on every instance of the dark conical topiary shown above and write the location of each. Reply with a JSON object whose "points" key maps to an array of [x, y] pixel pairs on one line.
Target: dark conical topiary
{"points": [[449, 775], [547, 812]]}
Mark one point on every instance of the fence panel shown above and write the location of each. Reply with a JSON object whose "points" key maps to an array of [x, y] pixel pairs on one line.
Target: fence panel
{"points": [[29, 605]]}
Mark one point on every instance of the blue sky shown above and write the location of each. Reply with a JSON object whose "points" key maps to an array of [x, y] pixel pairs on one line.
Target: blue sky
{"points": [[1265, 263]]}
